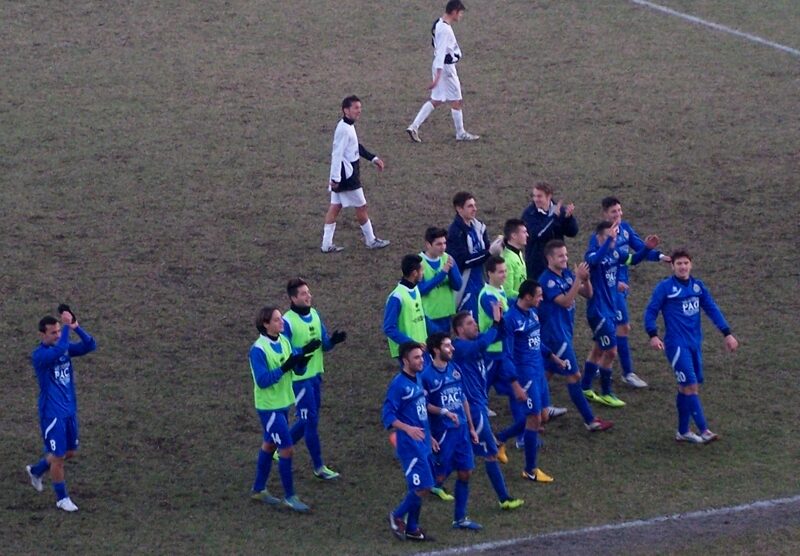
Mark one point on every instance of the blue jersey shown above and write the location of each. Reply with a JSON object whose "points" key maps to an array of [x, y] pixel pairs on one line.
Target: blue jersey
{"points": [[558, 323], [56, 375], [522, 345], [629, 243], [603, 263], [405, 402], [469, 355], [444, 389], [680, 302]]}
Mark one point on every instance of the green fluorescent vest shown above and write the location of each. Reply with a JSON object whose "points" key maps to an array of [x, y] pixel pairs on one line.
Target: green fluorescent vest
{"points": [[280, 395], [517, 271], [302, 333], [485, 319], [411, 320], [440, 302]]}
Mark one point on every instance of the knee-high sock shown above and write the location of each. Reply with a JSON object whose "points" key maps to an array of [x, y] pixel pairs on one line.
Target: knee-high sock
{"points": [[263, 467], [580, 401], [327, 235], [514, 430], [462, 495], [696, 409], [589, 370], [531, 449], [458, 121], [422, 115], [683, 413], [40, 468], [412, 523], [405, 506], [61, 490], [517, 412], [605, 381], [285, 468], [369, 234], [313, 443], [497, 480], [624, 352]]}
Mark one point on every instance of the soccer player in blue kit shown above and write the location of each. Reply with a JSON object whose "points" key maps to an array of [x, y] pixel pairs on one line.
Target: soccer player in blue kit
{"points": [[470, 355], [560, 288], [451, 423], [273, 365], [405, 410], [679, 299], [524, 353], [58, 405], [628, 242], [604, 261]]}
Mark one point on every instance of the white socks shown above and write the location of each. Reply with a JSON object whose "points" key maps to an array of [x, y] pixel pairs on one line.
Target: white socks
{"points": [[458, 121], [327, 235], [369, 235], [423, 114]]}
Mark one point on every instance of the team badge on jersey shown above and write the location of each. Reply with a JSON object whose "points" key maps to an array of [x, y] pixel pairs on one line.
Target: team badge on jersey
{"points": [[456, 375], [569, 281], [551, 284], [696, 288]]}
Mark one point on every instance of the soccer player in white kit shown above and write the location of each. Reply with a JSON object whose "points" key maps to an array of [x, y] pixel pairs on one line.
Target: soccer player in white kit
{"points": [[445, 86]]}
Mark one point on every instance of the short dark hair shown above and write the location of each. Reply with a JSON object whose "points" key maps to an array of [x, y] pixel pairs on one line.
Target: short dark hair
{"points": [[544, 187], [552, 245], [609, 202], [511, 226], [409, 264], [460, 199], [433, 233], [601, 227], [459, 318], [408, 347], [349, 101], [264, 315], [680, 254], [493, 261], [454, 6], [294, 285], [436, 340], [528, 287], [45, 322]]}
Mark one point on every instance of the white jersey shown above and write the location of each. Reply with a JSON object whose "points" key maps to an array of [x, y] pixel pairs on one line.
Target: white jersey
{"points": [[445, 47], [344, 152]]}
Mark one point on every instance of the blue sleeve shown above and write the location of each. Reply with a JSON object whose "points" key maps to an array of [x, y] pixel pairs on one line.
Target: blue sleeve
{"points": [[652, 310], [265, 377], [432, 328], [326, 340], [508, 351], [639, 256], [456, 246], [390, 315], [636, 242], [86, 345], [546, 353], [287, 330], [712, 310], [594, 256], [455, 278], [389, 410], [46, 357], [426, 286], [567, 224], [486, 303]]}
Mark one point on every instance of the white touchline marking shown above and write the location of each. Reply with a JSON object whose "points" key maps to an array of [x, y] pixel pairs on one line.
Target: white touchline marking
{"points": [[717, 26], [761, 504]]}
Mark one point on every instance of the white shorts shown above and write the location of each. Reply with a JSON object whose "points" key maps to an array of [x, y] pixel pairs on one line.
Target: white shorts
{"points": [[354, 198], [449, 87]]}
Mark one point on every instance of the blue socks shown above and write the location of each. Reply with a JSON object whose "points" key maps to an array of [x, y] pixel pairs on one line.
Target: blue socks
{"points": [[683, 413], [40, 468], [696, 409], [605, 381], [309, 428], [407, 504], [263, 467], [514, 430], [589, 370], [580, 401], [285, 468], [531, 449], [61, 490], [624, 352], [497, 480], [462, 495], [412, 523]]}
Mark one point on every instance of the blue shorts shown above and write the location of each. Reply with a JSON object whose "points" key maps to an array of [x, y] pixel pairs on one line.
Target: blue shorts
{"points": [[687, 364], [621, 301], [486, 446], [418, 471], [604, 331], [276, 427], [60, 434], [455, 451], [308, 398], [563, 351], [538, 395], [494, 368]]}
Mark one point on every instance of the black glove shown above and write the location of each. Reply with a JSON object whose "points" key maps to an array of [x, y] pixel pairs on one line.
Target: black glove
{"points": [[338, 337], [311, 346], [64, 307], [290, 363], [302, 365]]}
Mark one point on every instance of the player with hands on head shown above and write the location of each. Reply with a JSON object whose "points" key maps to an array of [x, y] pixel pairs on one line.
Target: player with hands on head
{"points": [[58, 406], [679, 299]]}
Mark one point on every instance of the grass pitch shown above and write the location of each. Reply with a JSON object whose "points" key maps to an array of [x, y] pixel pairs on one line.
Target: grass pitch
{"points": [[164, 169]]}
